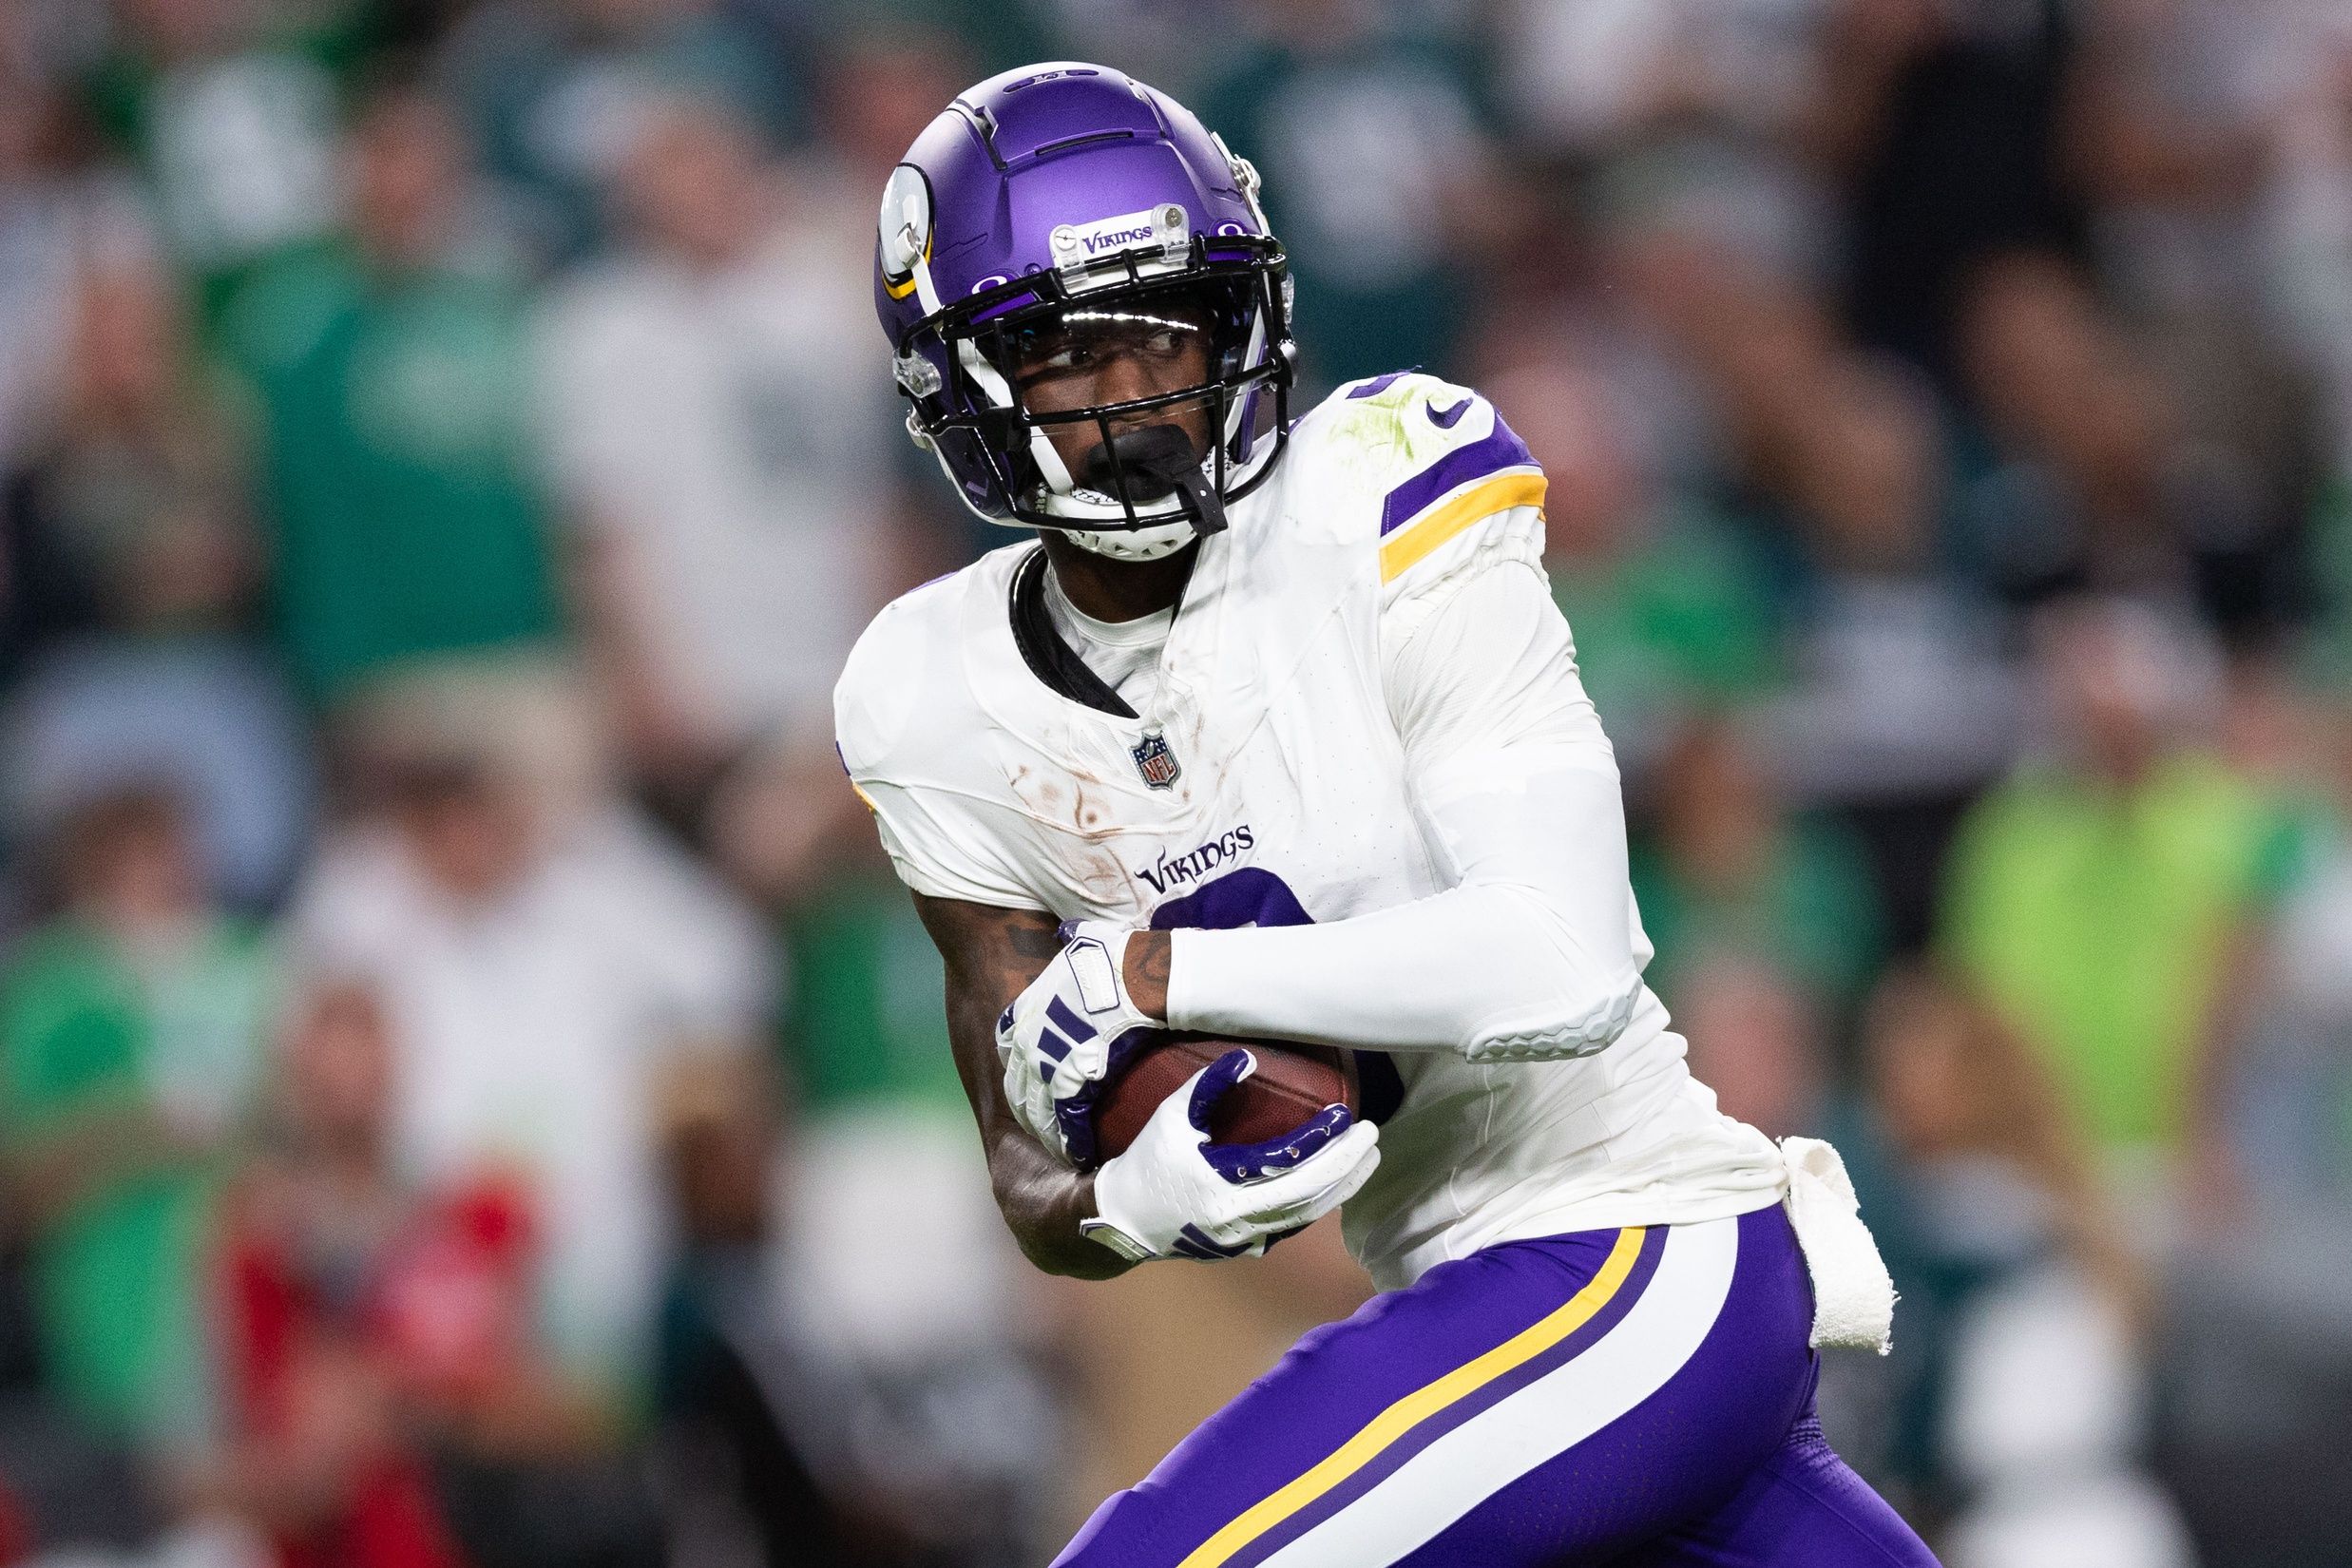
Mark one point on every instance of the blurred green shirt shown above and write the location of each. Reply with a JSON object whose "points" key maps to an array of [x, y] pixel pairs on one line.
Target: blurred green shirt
{"points": [[235, 143], [2327, 651], [2098, 922], [866, 1024], [394, 447], [1361, 138], [119, 1275], [1685, 619], [1811, 911]]}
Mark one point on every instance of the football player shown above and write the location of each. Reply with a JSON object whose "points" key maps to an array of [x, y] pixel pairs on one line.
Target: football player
{"points": [[1274, 732]]}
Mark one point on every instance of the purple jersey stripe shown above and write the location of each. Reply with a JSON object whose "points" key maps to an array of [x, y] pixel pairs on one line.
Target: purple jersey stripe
{"points": [[1379, 384], [1486, 1397], [1499, 449]]}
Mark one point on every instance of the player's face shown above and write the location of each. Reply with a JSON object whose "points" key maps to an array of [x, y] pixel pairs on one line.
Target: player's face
{"points": [[1115, 353]]}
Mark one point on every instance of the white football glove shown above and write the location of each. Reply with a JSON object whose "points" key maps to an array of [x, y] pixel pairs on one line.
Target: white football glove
{"points": [[1072, 1029], [1173, 1193]]}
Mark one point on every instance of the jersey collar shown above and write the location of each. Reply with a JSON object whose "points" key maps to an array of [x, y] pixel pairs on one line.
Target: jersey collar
{"points": [[1050, 658]]}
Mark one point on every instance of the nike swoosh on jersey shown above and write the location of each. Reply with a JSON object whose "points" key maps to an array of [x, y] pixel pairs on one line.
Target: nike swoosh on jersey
{"points": [[1446, 419], [1499, 448]]}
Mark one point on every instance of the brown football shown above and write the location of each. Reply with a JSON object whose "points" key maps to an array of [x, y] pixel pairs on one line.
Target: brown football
{"points": [[1291, 1084]]}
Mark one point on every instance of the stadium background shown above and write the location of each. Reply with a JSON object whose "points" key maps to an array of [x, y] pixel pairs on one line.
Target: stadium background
{"points": [[470, 1091]]}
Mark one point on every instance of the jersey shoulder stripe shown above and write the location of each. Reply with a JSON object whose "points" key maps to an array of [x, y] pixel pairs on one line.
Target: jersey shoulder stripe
{"points": [[1361, 391], [1423, 471], [1499, 448], [1466, 486]]}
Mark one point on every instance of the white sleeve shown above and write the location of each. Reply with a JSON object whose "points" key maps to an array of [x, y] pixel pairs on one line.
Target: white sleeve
{"points": [[940, 852], [1534, 951], [944, 841]]}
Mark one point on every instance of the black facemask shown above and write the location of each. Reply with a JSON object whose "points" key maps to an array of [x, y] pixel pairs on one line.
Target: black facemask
{"points": [[1155, 461]]}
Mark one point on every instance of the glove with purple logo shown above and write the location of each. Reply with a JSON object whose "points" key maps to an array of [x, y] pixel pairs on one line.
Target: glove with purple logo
{"points": [[1173, 1193], [1068, 1034]]}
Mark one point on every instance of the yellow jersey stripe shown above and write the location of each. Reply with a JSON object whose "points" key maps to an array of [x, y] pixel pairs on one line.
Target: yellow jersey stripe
{"points": [[1426, 1401], [1517, 487]]}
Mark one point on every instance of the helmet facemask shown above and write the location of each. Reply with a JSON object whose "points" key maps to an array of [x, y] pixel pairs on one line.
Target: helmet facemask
{"points": [[1137, 477]]}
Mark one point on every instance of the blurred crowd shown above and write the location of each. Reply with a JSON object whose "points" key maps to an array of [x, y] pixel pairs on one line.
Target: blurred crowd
{"points": [[471, 1093]]}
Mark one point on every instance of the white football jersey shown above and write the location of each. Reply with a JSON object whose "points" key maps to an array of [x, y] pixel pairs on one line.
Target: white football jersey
{"points": [[1266, 785]]}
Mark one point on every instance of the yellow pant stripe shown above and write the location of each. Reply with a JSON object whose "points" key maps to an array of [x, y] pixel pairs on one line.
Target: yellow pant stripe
{"points": [[1423, 1403]]}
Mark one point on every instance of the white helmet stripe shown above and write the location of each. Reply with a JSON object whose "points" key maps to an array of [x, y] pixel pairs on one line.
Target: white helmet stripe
{"points": [[993, 384], [1249, 361]]}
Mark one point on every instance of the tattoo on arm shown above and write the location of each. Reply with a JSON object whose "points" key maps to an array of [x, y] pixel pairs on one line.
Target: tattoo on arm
{"points": [[1146, 972], [991, 955]]}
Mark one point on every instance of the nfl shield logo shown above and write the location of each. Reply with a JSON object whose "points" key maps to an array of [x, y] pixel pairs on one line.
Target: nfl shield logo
{"points": [[1156, 762]]}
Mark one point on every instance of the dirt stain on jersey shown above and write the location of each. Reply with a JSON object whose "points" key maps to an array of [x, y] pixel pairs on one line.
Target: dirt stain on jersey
{"points": [[1078, 800], [1084, 811], [1100, 874], [1043, 793], [1104, 878]]}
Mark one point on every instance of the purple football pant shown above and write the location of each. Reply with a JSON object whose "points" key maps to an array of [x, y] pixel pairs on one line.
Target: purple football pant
{"points": [[1641, 1397]]}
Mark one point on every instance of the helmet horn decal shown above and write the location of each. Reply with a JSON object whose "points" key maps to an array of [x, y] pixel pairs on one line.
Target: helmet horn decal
{"points": [[905, 229]]}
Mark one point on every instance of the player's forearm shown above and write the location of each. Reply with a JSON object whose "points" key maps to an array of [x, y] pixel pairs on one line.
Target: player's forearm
{"points": [[1044, 1202], [991, 955], [1532, 954]]}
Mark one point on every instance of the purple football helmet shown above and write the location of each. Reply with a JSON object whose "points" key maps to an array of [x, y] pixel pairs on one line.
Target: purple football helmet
{"points": [[1068, 193]]}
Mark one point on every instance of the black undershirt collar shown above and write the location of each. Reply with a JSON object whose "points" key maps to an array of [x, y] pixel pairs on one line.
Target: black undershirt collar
{"points": [[1050, 658]]}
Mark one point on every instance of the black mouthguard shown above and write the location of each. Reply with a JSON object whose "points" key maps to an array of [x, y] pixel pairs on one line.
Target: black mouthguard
{"points": [[1162, 457]]}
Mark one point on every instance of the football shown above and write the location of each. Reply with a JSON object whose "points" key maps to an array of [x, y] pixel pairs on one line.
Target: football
{"points": [[1291, 1084]]}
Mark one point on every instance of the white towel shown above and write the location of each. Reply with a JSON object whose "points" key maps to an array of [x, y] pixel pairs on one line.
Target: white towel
{"points": [[1853, 1297]]}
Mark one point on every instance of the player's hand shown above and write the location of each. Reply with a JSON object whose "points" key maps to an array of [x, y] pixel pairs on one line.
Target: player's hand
{"points": [[1067, 1034], [1173, 1193]]}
